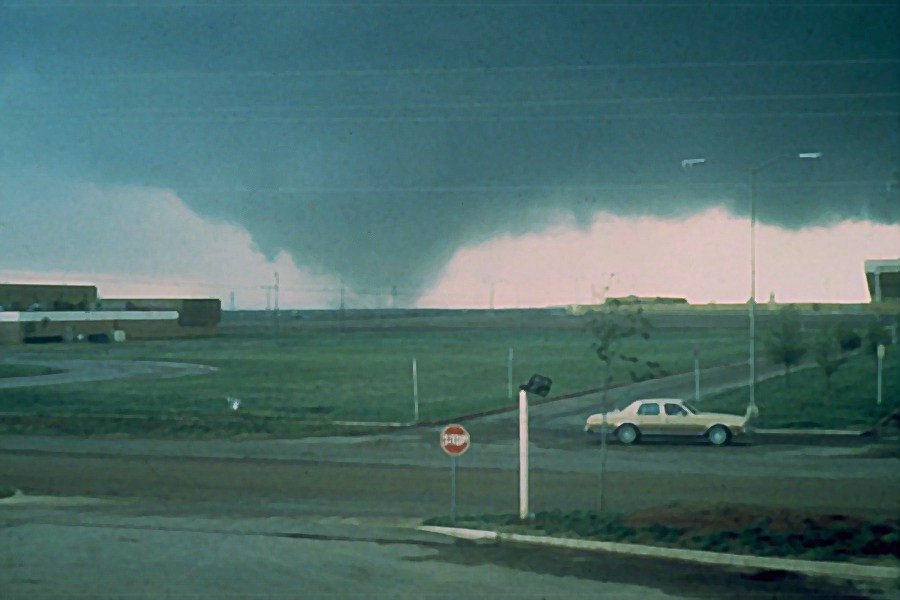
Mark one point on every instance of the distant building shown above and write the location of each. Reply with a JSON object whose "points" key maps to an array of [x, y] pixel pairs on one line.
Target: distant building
{"points": [[883, 280], [61, 313], [648, 300]]}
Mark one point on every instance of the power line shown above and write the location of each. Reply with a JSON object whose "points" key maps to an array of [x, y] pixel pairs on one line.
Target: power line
{"points": [[478, 70], [155, 111], [398, 4], [479, 117], [654, 185]]}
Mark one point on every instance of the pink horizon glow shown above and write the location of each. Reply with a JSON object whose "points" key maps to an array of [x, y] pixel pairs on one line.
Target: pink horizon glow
{"points": [[703, 258]]}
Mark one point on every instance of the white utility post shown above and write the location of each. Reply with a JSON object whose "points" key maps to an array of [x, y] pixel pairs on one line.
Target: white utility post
{"points": [[880, 365], [523, 454], [415, 377]]}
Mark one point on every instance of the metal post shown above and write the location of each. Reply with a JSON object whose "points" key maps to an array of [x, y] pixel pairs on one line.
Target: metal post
{"points": [[415, 377], [509, 365], [276, 314], [880, 365], [751, 407], [523, 454], [453, 489], [696, 375]]}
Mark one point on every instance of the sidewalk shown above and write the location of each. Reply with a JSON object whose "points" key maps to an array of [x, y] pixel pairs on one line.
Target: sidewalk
{"points": [[842, 570]]}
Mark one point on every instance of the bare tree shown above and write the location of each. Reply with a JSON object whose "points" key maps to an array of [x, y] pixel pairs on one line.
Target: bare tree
{"points": [[829, 355], [785, 344], [613, 326]]}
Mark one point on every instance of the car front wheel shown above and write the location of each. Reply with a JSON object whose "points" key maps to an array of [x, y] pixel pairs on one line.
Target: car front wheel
{"points": [[627, 434], [718, 435]]}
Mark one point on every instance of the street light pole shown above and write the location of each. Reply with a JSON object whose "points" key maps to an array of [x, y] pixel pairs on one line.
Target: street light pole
{"points": [[752, 409]]}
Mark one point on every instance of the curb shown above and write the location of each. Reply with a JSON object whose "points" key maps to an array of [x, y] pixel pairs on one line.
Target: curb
{"points": [[823, 432], [803, 567]]}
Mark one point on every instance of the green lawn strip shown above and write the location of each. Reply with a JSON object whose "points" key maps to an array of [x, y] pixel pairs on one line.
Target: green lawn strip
{"points": [[338, 376], [886, 449], [804, 403], [16, 370], [155, 426], [729, 529]]}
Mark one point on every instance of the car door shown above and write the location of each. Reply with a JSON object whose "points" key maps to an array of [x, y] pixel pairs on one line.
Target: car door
{"points": [[680, 421], [649, 418]]}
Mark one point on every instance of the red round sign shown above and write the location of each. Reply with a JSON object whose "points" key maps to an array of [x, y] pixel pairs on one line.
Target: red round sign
{"points": [[454, 440]]}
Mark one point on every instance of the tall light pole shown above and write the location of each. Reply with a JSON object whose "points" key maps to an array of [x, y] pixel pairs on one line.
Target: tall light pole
{"points": [[754, 171], [752, 409]]}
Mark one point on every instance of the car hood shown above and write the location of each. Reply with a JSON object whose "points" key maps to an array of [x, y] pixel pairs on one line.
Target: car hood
{"points": [[598, 417]]}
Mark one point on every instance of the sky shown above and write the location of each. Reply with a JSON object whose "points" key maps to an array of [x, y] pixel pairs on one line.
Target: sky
{"points": [[426, 153]]}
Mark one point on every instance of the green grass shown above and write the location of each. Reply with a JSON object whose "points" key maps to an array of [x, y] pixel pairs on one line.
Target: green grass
{"points": [[804, 403], [10, 370], [723, 528], [321, 375]]}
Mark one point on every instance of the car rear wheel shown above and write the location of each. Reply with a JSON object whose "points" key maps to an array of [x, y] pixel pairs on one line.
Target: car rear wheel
{"points": [[627, 434], [718, 435]]}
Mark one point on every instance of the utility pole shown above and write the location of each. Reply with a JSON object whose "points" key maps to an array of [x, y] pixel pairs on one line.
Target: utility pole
{"points": [[268, 289], [233, 306], [341, 310], [277, 288]]}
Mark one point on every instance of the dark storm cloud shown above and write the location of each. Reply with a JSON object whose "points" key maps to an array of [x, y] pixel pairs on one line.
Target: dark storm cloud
{"points": [[374, 140]]}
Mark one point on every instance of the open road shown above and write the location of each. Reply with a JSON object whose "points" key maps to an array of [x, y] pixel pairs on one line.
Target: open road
{"points": [[332, 517]]}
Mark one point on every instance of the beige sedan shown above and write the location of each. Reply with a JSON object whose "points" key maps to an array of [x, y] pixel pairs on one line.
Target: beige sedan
{"points": [[668, 417]]}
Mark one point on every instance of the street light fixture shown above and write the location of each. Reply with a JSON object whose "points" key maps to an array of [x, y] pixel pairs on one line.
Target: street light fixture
{"points": [[752, 409]]}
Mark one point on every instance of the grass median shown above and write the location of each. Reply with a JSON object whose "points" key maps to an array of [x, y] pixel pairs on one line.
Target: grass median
{"points": [[16, 370], [805, 402], [732, 529]]}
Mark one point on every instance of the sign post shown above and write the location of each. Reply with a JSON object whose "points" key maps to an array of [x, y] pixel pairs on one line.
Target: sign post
{"points": [[509, 367], [880, 352], [523, 454], [696, 374], [540, 385], [415, 378], [454, 441]]}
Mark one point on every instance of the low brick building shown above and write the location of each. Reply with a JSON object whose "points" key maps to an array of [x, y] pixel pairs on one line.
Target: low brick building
{"points": [[58, 313]]}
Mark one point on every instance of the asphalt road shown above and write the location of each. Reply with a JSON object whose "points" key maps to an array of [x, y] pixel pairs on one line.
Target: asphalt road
{"points": [[86, 371], [332, 517]]}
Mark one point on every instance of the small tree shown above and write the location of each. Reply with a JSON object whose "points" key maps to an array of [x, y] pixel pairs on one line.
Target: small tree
{"points": [[876, 334], [613, 326], [785, 345], [828, 354], [848, 338]]}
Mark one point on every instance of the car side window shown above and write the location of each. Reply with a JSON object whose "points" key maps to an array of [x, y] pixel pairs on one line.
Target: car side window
{"points": [[675, 410], [650, 408]]}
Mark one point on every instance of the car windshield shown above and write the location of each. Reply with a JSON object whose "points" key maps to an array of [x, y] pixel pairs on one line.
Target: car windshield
{"points": [[690, 408]]}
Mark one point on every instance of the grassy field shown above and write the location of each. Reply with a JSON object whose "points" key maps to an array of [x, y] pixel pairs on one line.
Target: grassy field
{"points": [[317, 372], [723, 528], [804, 403], [321, 374]]}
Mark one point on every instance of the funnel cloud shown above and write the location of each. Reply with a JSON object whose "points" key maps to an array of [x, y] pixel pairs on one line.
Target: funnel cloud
{"points": [[372, 141]]}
